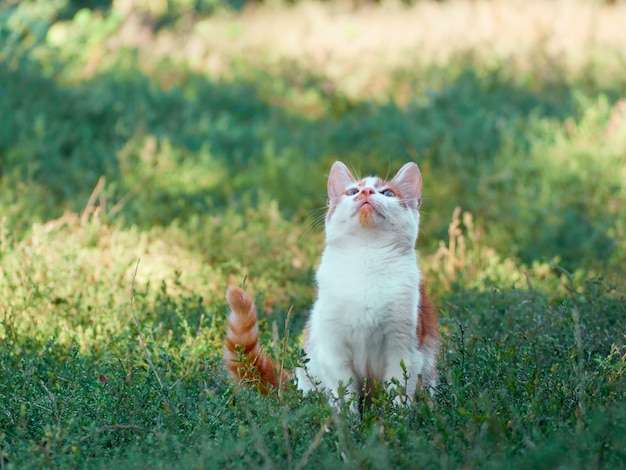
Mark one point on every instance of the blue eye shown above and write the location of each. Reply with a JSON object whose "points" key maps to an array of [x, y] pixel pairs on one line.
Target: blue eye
{"points": [[388, 193], [352, 191]]}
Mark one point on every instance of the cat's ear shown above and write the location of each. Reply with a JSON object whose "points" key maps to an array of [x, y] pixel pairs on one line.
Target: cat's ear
{"points": [[338, 181], [409, 181]]}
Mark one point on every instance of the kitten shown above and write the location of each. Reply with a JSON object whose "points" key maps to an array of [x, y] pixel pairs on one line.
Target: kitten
{"points": [[372, 315]]}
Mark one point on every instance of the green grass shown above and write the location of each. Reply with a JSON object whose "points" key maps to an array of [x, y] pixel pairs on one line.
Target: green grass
{"points": [[135, 187]]}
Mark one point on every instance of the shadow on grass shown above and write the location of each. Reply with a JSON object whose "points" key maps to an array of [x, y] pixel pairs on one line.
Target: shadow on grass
{"points": [[199, 145]]}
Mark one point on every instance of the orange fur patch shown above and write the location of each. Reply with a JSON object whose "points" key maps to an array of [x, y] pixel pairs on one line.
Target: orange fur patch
{"points": [[428, 328], [365, 216], [428, 333]]}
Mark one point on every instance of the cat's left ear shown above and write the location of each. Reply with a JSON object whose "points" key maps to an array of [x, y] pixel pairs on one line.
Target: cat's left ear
{"points": [[338, 181], [409, 182]]}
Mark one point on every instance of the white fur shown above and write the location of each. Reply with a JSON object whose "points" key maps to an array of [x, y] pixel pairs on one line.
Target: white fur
{"points": [[364, 320]]}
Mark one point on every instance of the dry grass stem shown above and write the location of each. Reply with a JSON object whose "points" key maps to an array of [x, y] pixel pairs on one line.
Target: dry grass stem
{"points": [[142, 343]]}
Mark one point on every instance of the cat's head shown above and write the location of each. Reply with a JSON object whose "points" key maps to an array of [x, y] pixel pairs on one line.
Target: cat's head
{"points": [[373, 204]]}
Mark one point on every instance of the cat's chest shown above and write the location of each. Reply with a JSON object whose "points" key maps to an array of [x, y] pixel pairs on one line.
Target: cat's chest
{"points": [[367, 288]]}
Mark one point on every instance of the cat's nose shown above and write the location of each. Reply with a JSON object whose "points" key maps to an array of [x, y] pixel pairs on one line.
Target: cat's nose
{"points": [[368, 191]]}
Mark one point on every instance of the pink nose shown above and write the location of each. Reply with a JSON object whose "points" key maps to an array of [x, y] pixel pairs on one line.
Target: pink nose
{"points": [[368, 191]]}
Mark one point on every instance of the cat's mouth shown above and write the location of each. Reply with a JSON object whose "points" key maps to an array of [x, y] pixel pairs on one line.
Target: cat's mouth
{"points": [[366, 205]]}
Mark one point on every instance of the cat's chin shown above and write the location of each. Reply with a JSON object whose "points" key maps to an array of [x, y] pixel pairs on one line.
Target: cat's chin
{"points": [[367, 216]]}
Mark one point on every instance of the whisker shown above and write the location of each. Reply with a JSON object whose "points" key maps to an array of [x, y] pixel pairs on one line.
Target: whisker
{"points": [[314, 221], [388, 171], [355, 172]]}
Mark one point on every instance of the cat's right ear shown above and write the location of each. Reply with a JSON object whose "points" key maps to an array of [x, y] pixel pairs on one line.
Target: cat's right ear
{"points": [[338, 181]]}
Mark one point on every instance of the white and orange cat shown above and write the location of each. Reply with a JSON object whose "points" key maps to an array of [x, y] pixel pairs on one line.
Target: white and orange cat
{"points": [[372, 315]]}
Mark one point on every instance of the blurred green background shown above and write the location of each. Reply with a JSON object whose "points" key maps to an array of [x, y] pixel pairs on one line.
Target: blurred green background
{"points": [[534, 150]]}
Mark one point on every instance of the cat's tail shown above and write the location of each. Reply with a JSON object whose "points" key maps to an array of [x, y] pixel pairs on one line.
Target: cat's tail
{"points": [[242, 353]]}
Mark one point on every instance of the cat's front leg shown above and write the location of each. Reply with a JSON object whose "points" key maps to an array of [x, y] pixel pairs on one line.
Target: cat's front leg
{"points": [[402, 372], [329, 377]]}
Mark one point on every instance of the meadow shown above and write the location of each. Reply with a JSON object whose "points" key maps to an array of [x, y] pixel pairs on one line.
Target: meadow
{"points": [[154, 152]]}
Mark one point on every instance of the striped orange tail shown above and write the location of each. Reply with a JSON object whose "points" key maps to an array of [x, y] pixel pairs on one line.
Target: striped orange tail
{"points": [[242, 352]]}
